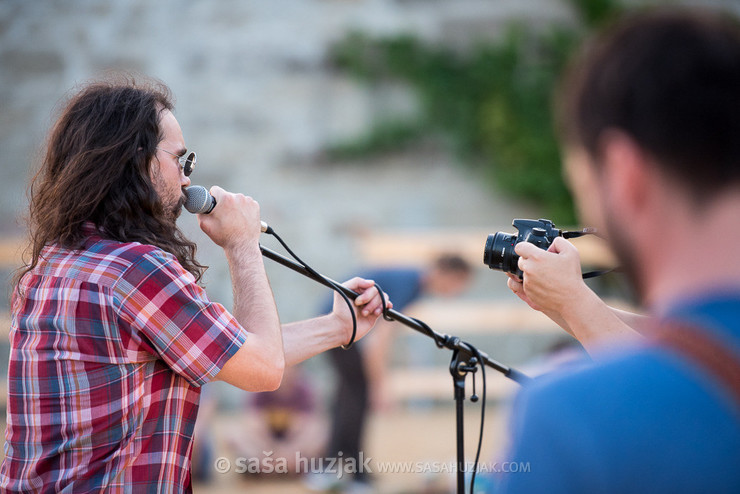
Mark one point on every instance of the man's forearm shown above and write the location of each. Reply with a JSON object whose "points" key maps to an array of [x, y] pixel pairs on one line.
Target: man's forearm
{"points": [[259, 363], [304, 339], [254, 304], [638, 322], [595, 324]]}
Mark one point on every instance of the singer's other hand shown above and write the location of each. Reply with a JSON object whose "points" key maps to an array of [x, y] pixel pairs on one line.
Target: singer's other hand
{"points": [[367, 306], [235, 221]]}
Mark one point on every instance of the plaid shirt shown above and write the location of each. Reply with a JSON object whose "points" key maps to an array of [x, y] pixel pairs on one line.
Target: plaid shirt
{"points": [[109, 347]]}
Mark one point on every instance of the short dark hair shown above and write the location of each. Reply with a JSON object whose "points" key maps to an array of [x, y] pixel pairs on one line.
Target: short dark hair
{"points": [[452, 263], [671, 81]]}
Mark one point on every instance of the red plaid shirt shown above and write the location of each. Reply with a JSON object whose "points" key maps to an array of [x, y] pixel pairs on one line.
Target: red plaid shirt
{"points": [[109, 347]]}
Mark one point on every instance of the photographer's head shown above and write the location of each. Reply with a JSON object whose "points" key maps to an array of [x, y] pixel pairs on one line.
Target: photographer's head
{"points": [[650, 118], [107, 163]]}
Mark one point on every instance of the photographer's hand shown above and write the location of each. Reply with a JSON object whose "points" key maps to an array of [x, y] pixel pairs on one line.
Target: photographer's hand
{"points": [[552, 278], [553, 284]]}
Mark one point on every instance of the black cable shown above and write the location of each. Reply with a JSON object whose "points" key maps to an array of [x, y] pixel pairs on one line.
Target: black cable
{"points": [[580, 233], [600, 272], [331, 283], [440, 340], [482, 417], [382, 301]]}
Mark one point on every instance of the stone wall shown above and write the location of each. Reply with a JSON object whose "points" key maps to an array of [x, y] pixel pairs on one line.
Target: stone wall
{"points": [[256, 99]]}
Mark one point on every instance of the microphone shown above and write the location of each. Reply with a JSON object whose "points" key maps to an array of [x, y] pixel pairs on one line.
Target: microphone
{"points": [[199, 201]]}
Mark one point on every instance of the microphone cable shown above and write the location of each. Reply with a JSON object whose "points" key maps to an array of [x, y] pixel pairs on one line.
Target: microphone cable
{"points": [[197, 203], [200, 201], [441, 341], [335, 286], [482, 417]]}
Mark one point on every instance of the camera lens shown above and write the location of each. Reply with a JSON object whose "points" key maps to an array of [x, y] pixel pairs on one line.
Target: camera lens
{"points": [[499, 252]]}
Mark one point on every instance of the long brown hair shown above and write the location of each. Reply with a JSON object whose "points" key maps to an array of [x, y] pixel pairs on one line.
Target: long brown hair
{"points": [[97, 169]]}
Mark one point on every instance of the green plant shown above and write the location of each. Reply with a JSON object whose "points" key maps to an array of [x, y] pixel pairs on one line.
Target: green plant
{"points": [[492, 103]]}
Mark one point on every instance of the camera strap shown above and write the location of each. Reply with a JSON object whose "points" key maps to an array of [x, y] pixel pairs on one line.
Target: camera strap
{"points": [[705, 351], [598, 272], [580, 233]]}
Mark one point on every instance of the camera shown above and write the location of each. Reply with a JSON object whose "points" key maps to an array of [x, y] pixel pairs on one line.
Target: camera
{"points": [[499, 251]]}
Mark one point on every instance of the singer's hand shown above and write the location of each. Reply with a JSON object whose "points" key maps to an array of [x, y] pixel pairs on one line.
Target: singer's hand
{"points": [[368, 307], [235, 221]]}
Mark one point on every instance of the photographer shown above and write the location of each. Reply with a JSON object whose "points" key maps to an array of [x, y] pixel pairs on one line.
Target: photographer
{"points": [[649, 120]]}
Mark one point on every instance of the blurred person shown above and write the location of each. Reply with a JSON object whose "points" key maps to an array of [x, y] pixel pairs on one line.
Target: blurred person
{"points": [[287, 423], [360, 373], [111, 334], [650, 118], [204, 445]]}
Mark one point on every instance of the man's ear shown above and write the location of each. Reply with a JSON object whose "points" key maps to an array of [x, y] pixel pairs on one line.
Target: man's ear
{"points": [[627, 174]]}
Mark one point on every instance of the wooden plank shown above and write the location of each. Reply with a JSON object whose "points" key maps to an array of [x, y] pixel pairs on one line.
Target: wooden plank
{"points": [[436, 384], [464, 316], [5, 326], [11, 252], [419, 247]]}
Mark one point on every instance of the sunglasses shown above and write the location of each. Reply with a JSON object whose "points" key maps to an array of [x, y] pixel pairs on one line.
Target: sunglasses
{"points": [[187, 161]]}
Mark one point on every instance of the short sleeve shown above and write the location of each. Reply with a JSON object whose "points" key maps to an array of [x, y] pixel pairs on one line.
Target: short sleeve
{"points": [[168, 315]]}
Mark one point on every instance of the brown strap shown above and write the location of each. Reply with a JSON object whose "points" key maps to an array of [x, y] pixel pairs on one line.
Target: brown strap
{"points": [[707, 351]]}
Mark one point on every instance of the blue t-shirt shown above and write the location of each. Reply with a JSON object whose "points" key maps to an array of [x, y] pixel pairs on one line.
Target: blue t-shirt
{"points": [[645, 422], [403, 285]]}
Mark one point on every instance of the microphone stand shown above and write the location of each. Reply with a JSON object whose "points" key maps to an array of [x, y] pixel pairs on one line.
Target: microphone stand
{"points": [[464, 356]]}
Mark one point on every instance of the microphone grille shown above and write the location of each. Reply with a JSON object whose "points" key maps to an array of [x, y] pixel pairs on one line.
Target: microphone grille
{"points": [[197, 199]]}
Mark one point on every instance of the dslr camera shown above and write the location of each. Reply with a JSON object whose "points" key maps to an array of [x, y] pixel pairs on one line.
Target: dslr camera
{"points": [[499, 251]]}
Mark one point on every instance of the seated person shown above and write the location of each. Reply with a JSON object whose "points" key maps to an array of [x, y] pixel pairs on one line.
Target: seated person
{"points": [[286, 422]]}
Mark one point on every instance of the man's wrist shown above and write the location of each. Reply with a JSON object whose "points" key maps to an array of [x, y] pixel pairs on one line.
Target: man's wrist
{"points": [[244, 252], [337, 328], [580, 298]]}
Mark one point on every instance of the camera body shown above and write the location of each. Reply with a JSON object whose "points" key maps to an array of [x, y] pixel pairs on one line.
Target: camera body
{"points": [[499, 250]]}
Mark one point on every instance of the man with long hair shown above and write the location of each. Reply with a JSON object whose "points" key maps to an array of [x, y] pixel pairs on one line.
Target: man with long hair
{"points": [[650, 119], [111, 334]]}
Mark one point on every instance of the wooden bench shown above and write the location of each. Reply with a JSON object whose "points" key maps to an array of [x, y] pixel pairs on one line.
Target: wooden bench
{"points": [[461, 317], [11, 250], [436, 384], [419, 247], [466, 316]]}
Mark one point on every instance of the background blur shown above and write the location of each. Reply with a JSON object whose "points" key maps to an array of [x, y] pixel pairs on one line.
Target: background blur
{"points": [[372, 132]]}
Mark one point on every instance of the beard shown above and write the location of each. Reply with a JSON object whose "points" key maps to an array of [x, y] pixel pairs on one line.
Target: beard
{"points": [[173, 208], [622, 248]]}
